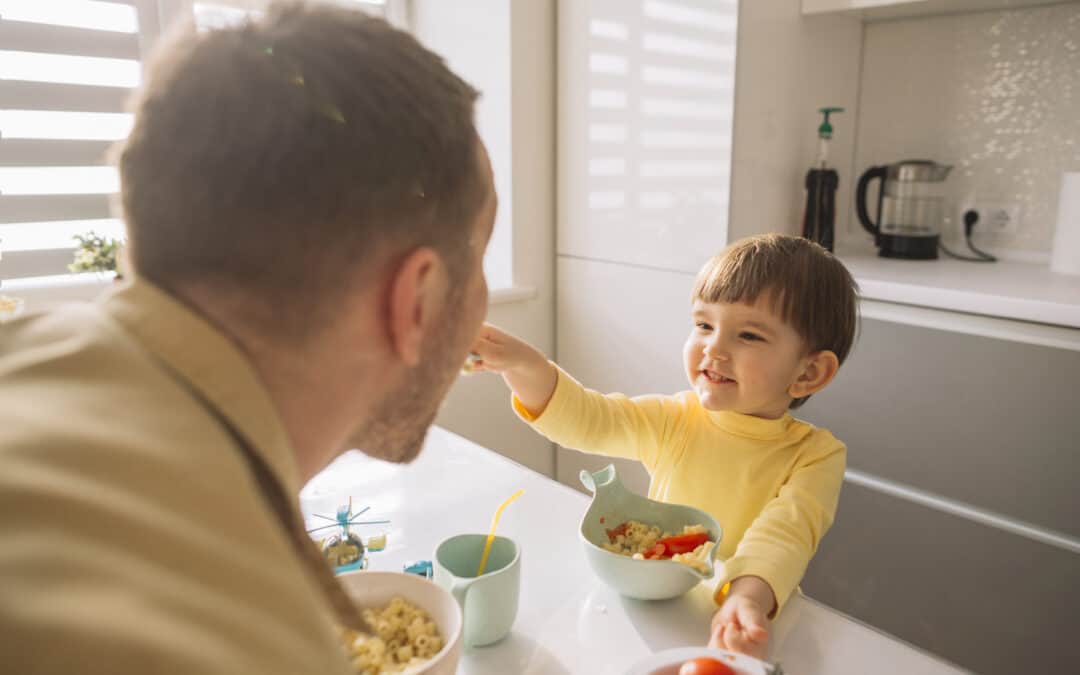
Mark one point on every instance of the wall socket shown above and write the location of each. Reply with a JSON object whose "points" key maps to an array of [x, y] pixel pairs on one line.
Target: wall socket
{"points": [[994, 217]]}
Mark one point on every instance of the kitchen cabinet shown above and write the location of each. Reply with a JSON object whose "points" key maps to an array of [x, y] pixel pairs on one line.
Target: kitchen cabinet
{"points": [[645, 110], [958, 525]]}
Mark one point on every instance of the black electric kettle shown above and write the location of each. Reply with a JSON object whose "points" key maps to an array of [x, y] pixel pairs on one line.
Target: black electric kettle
{"points": [[910, 208]]}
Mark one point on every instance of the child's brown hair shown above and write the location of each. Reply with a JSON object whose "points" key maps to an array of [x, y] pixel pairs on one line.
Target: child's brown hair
{"points": [[810, 289]]}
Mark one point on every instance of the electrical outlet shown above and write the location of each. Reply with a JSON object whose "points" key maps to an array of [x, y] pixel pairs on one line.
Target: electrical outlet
{"points": [[994, 217]]}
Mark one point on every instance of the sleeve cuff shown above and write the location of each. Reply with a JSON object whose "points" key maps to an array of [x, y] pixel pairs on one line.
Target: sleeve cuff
{"points": [[553, 405], [778, 579]]}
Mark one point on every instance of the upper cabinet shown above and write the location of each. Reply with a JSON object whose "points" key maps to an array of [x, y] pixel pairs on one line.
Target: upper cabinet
{"points": [[645, 109], [871, 10]]}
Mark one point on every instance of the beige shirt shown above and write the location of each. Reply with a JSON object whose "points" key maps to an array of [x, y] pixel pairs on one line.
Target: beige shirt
{"points": [[135, 533]]}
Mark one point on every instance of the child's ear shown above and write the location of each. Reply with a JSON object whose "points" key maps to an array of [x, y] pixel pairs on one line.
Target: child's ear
{"points": [[819, 368]]}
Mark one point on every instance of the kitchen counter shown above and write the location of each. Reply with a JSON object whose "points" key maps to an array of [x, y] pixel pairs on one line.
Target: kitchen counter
{"points": [[568, 621], [1004, 289]]}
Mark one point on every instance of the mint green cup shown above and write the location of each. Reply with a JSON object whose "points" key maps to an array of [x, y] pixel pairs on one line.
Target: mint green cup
{"points": [[489, 602]]}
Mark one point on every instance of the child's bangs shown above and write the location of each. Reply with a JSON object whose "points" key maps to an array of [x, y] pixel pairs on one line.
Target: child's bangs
{"points": [[730, 279]]}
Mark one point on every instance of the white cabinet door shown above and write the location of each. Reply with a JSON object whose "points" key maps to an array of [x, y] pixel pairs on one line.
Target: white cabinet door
{"points": [[619, 328], [645, 126]]}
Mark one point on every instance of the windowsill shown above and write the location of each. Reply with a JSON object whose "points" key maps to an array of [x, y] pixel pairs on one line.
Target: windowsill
{"points": [[39, 292], [510, 294]]}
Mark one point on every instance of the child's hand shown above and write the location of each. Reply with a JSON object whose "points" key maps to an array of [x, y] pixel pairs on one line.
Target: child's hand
{"points": [[742, 624], [498, 352], [525, 369]]}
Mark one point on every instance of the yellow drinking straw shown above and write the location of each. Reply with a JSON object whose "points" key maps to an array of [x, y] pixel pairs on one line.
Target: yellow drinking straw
{"points": [[491, 534]]}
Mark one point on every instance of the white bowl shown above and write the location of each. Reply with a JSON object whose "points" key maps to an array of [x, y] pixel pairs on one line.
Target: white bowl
{"points": [[668, 661], [377, 589]]}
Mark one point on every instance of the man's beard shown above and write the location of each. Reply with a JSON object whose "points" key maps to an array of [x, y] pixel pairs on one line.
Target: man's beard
{"points": [[399, 424]]}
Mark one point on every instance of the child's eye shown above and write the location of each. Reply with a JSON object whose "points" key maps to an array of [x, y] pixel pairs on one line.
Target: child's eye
{"points": [[746, 335], [701, 325]]}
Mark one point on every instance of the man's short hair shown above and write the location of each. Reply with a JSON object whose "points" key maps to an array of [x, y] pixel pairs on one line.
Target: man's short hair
{"points": [[277, 157], [811, 290]]}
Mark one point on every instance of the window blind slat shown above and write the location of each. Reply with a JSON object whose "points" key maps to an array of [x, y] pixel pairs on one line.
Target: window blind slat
{"points": [[20, 95], [33, 152], [21, 264], [37, 37], [40, 208]]}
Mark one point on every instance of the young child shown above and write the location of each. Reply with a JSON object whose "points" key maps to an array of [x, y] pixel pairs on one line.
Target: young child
{"points": [[773, 317]]}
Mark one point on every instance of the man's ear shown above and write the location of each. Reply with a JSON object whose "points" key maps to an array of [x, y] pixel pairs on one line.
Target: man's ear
{"points": [[416, 291], [819, 368]]}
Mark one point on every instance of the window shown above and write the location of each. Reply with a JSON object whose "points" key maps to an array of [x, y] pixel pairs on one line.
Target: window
{"points": [[646, 130], [66, 70]]}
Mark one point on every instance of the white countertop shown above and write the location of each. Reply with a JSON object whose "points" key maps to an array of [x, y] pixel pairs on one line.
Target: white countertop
{"points": [[568, 621], [1011, 290]]}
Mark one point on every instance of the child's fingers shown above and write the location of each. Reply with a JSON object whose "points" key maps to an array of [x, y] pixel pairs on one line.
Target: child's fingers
{"points": [[736, 640], [718, 619], [716, 636], [753, 624]]}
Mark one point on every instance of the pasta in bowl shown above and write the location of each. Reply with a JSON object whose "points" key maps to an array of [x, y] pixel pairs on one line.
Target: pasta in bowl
{"points": [[621, 532], [415, 626]]}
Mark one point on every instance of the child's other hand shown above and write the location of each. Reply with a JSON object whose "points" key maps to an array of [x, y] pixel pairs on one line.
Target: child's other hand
{"points": [[742, 624]]}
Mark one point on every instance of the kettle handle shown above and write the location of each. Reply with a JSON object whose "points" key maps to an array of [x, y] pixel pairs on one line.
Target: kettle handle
{"points": [[860, 199]]}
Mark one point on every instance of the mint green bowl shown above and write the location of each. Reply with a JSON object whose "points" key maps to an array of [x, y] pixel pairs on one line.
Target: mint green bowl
{"points": [[613, 504]]}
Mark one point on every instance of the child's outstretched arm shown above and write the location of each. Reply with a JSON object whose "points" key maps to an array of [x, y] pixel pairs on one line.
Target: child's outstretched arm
{"points": [[523, 367], [567, 413]]}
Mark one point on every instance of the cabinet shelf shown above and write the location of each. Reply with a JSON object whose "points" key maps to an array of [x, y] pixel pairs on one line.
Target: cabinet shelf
{"points": [[1007, 290], [878, 10]]}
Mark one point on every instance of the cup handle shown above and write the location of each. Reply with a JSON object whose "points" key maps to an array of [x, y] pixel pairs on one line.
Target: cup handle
{"points": [[459, 590]]}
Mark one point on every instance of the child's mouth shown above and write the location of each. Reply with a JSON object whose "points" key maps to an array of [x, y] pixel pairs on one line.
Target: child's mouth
{"points": [[716, 378]]}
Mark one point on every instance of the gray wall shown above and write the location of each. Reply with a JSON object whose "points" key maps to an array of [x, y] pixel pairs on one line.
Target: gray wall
{"points": [[974, 421]]}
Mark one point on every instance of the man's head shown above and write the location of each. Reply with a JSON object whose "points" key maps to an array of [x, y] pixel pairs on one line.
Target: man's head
{"points": [[281, 158], [314, 165], [774, 317]]}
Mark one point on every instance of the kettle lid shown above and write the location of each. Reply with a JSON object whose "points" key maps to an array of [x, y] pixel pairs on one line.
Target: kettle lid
{"points": [[918, 171]]}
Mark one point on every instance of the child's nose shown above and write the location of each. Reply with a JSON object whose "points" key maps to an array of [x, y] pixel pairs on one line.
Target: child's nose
{"points": [[715, 352]]}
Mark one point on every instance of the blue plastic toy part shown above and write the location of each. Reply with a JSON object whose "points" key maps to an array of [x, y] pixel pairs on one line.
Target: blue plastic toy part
{"points": [[420, 568]]}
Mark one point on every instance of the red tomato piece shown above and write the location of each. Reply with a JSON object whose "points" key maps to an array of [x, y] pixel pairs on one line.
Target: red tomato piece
{"points": [[684, 543], [705, 666], [657, 551], [616, 531]]}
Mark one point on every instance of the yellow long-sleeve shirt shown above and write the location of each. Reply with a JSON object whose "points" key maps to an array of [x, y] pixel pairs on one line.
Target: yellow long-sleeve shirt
{"points": [[772, 485]]}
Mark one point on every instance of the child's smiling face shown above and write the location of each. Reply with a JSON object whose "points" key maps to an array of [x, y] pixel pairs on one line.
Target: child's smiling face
{"points": [[743, 357]]}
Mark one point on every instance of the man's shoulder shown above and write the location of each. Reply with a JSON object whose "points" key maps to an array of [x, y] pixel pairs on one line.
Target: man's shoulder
{"points": [[120, 481], [78, 336], [74, 385]]}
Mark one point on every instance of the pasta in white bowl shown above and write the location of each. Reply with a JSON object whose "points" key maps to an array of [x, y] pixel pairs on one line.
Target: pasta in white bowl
{"points": [[415, 626]]}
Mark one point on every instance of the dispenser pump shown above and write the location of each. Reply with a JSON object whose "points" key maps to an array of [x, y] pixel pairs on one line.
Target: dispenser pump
{"points": [[825, 134], [825, 130]]}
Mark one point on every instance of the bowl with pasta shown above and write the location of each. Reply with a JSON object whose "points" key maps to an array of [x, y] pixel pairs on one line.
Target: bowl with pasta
{"points": [[643, 548], [414, 626]]}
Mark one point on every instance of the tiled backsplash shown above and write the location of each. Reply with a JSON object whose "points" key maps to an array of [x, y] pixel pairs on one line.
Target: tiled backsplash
{"points": [[996, 94]]}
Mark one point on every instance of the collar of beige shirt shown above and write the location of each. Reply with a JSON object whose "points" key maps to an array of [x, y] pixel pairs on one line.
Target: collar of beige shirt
{"points": [[213, 365]]}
